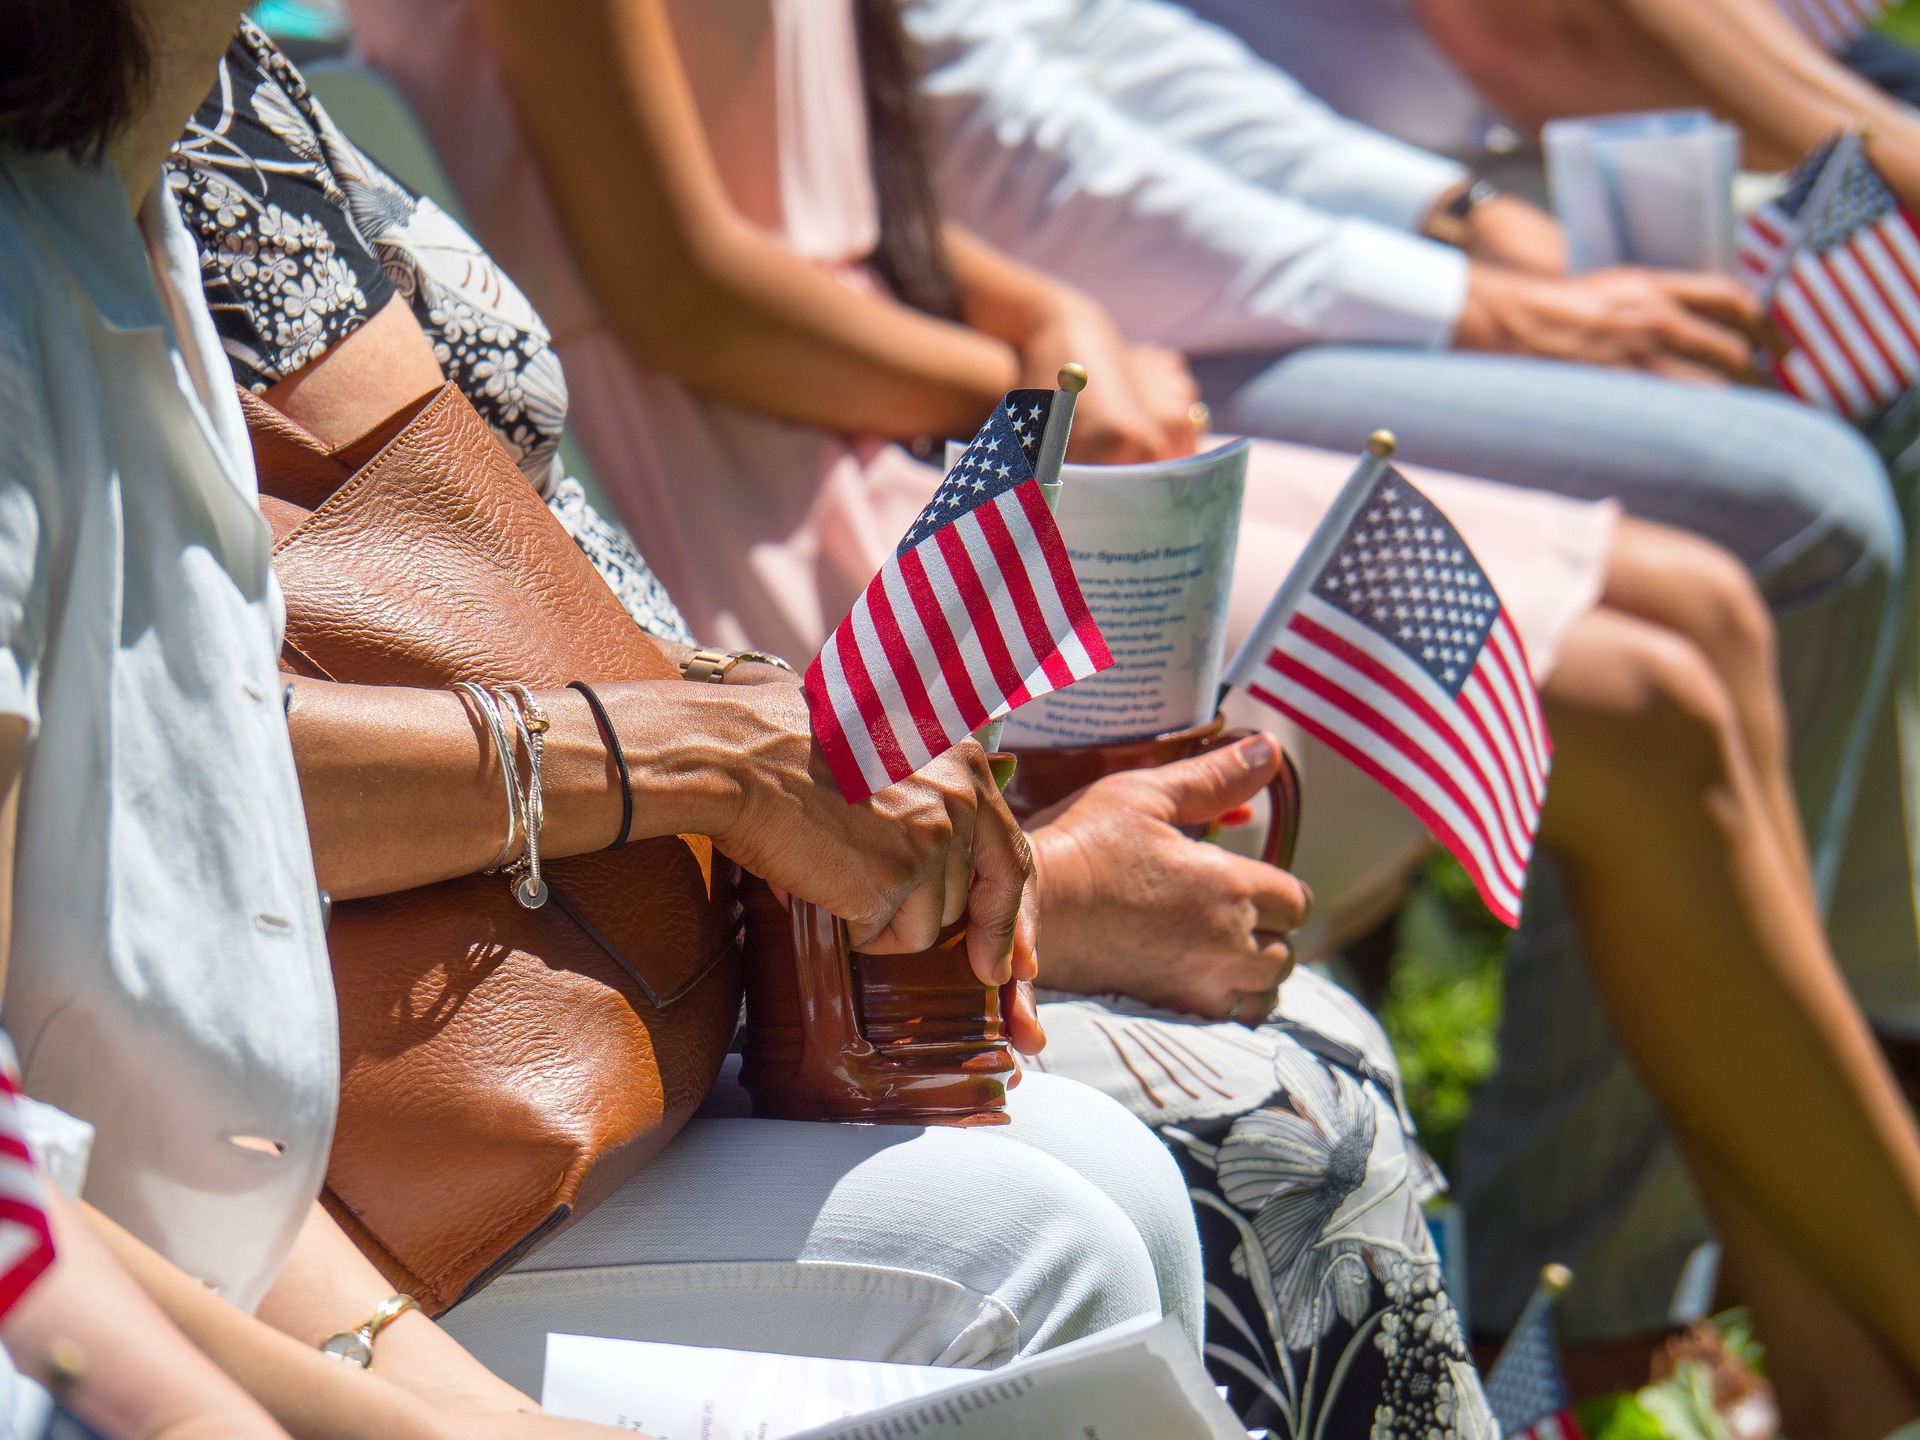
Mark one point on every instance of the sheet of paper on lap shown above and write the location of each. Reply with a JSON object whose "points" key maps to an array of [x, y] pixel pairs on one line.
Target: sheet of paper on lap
{"points": [[1136, 1381]]}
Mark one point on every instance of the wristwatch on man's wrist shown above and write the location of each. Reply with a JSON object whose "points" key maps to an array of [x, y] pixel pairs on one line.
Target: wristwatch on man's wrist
{"points": [[1452, 223], [713, 666]]}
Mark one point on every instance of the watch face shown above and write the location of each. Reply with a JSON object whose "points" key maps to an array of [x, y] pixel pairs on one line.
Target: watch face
{"points": [[349, 1347]]}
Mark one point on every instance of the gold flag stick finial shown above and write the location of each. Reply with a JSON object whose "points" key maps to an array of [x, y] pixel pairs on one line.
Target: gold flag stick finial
{"points": [[1381, 443], [1556, 1279], [1073, 376]]}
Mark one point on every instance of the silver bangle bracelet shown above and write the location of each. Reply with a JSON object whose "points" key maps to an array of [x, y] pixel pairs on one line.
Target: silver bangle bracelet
{"points": [[503, 748], [529, 889]]}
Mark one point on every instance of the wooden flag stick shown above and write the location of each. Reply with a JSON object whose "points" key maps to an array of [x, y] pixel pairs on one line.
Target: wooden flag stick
{"points": [[1320, 547], [1053, 439]]}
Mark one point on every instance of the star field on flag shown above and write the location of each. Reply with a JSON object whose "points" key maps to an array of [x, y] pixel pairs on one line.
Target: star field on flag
{"points": [[976, 613]]}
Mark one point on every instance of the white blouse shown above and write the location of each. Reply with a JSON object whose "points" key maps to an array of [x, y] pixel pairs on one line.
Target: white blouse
{"points": [[169, 979]]}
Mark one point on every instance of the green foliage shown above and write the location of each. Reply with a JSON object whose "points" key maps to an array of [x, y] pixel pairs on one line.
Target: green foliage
{"points": [[1442, 1006], [1679, 1407], [1902, 21], [1618, 1417]]}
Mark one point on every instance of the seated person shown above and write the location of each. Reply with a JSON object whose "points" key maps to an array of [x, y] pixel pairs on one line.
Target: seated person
{"points": [[167, 976], [1152, 158], [696, 251]]}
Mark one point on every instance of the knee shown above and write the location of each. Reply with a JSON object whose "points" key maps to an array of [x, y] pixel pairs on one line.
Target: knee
{"points": [[1727, 616], [1667, 725], [1087, 1265], [1839, 476]]}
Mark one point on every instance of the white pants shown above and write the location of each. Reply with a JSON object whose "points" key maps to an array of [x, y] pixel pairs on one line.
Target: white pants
{"points": [[928, 1246]]}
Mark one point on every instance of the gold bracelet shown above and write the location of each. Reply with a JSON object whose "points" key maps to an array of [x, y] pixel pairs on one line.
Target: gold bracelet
{"points": [[713, 666], [355, 1347]]}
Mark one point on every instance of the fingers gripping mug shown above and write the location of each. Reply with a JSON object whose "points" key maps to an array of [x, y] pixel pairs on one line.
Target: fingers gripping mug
{"points": [[833, 1034]]}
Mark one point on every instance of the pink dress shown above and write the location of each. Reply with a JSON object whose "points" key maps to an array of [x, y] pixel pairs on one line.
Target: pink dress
{"points": [[764, 530]]}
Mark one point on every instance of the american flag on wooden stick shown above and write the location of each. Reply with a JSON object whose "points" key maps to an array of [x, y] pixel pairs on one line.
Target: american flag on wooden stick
{"points": [[1388, 643], [26, 1239], [1525, 1389], [1836, 259], [976, 613], [1834, 24]]}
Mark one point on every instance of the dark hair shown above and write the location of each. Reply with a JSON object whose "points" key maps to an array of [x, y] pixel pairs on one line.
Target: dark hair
{"points": [[911, 257], [72, 73]]}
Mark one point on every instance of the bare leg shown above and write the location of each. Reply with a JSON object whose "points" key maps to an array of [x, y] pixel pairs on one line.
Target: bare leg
{"points": [[1833, 1379], [1710, 961], [1693, 587]]}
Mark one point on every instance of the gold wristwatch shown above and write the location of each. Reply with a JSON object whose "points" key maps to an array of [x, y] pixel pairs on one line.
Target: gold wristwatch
{"points": [[355, 1347], [713, 665]]}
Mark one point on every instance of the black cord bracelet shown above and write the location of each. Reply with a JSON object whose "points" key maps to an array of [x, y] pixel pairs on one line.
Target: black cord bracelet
{"points": [[605, 722]]}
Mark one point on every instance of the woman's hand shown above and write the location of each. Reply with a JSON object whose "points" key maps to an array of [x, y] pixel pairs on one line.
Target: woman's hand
{"points": [[1689, 327], [896, 867], [1131, 906], [1138, 402]]}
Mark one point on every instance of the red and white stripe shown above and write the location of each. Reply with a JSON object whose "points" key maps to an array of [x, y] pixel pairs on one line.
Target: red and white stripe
{"points": [[26, 1239], [1851, 314], [1473, 768], [1835, 24], [1561, 1425], [980, 617]]}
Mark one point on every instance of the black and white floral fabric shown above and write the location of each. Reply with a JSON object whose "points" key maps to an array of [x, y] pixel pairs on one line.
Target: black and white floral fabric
{"points": [[304, 238], [1327, 1318]]}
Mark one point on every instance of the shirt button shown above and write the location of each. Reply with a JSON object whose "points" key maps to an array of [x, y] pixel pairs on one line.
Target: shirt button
{"points": [[254, 691]]}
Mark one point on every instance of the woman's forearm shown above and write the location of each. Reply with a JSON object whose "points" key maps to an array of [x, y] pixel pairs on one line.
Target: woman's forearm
{"points": [[311, 1396], [1786, 93], [403, 787], [687, 284], [140, 1378]]}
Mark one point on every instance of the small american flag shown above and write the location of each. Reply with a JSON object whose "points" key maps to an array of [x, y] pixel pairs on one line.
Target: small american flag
{"points": [[1398, 655], [26, 1240], [976, 613], [1525, 1388], [1837, 261], [1834, 24]]}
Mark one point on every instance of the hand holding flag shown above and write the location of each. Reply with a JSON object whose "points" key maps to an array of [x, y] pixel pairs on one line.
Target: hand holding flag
{"points": [[976, 613], [1387, 642]]}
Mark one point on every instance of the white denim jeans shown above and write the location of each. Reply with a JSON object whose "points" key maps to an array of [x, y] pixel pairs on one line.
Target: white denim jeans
{"points": [[928, 1246]]}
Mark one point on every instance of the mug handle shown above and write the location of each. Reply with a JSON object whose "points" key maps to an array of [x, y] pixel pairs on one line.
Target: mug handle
{"points": [[1283, 797]]}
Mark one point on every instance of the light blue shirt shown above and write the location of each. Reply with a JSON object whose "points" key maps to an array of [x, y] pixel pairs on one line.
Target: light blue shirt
{"points": [[169, 980]]}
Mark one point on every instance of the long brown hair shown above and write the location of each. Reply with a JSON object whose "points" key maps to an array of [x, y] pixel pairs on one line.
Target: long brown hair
{"points": [[911, 257], [72, 73]]}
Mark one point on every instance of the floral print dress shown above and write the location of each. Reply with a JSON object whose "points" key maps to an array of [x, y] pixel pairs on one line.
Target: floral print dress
{"points": [[1327, 1318], [303, 239]]}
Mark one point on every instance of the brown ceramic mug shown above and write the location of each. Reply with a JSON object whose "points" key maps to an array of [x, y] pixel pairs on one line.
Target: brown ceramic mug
{"points": [[1043, 778], [916, 1039], [834, 1034]]}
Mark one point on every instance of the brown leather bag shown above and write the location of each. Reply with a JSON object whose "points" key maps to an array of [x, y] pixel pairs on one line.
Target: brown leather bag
{"points": [[502, 1069]]}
